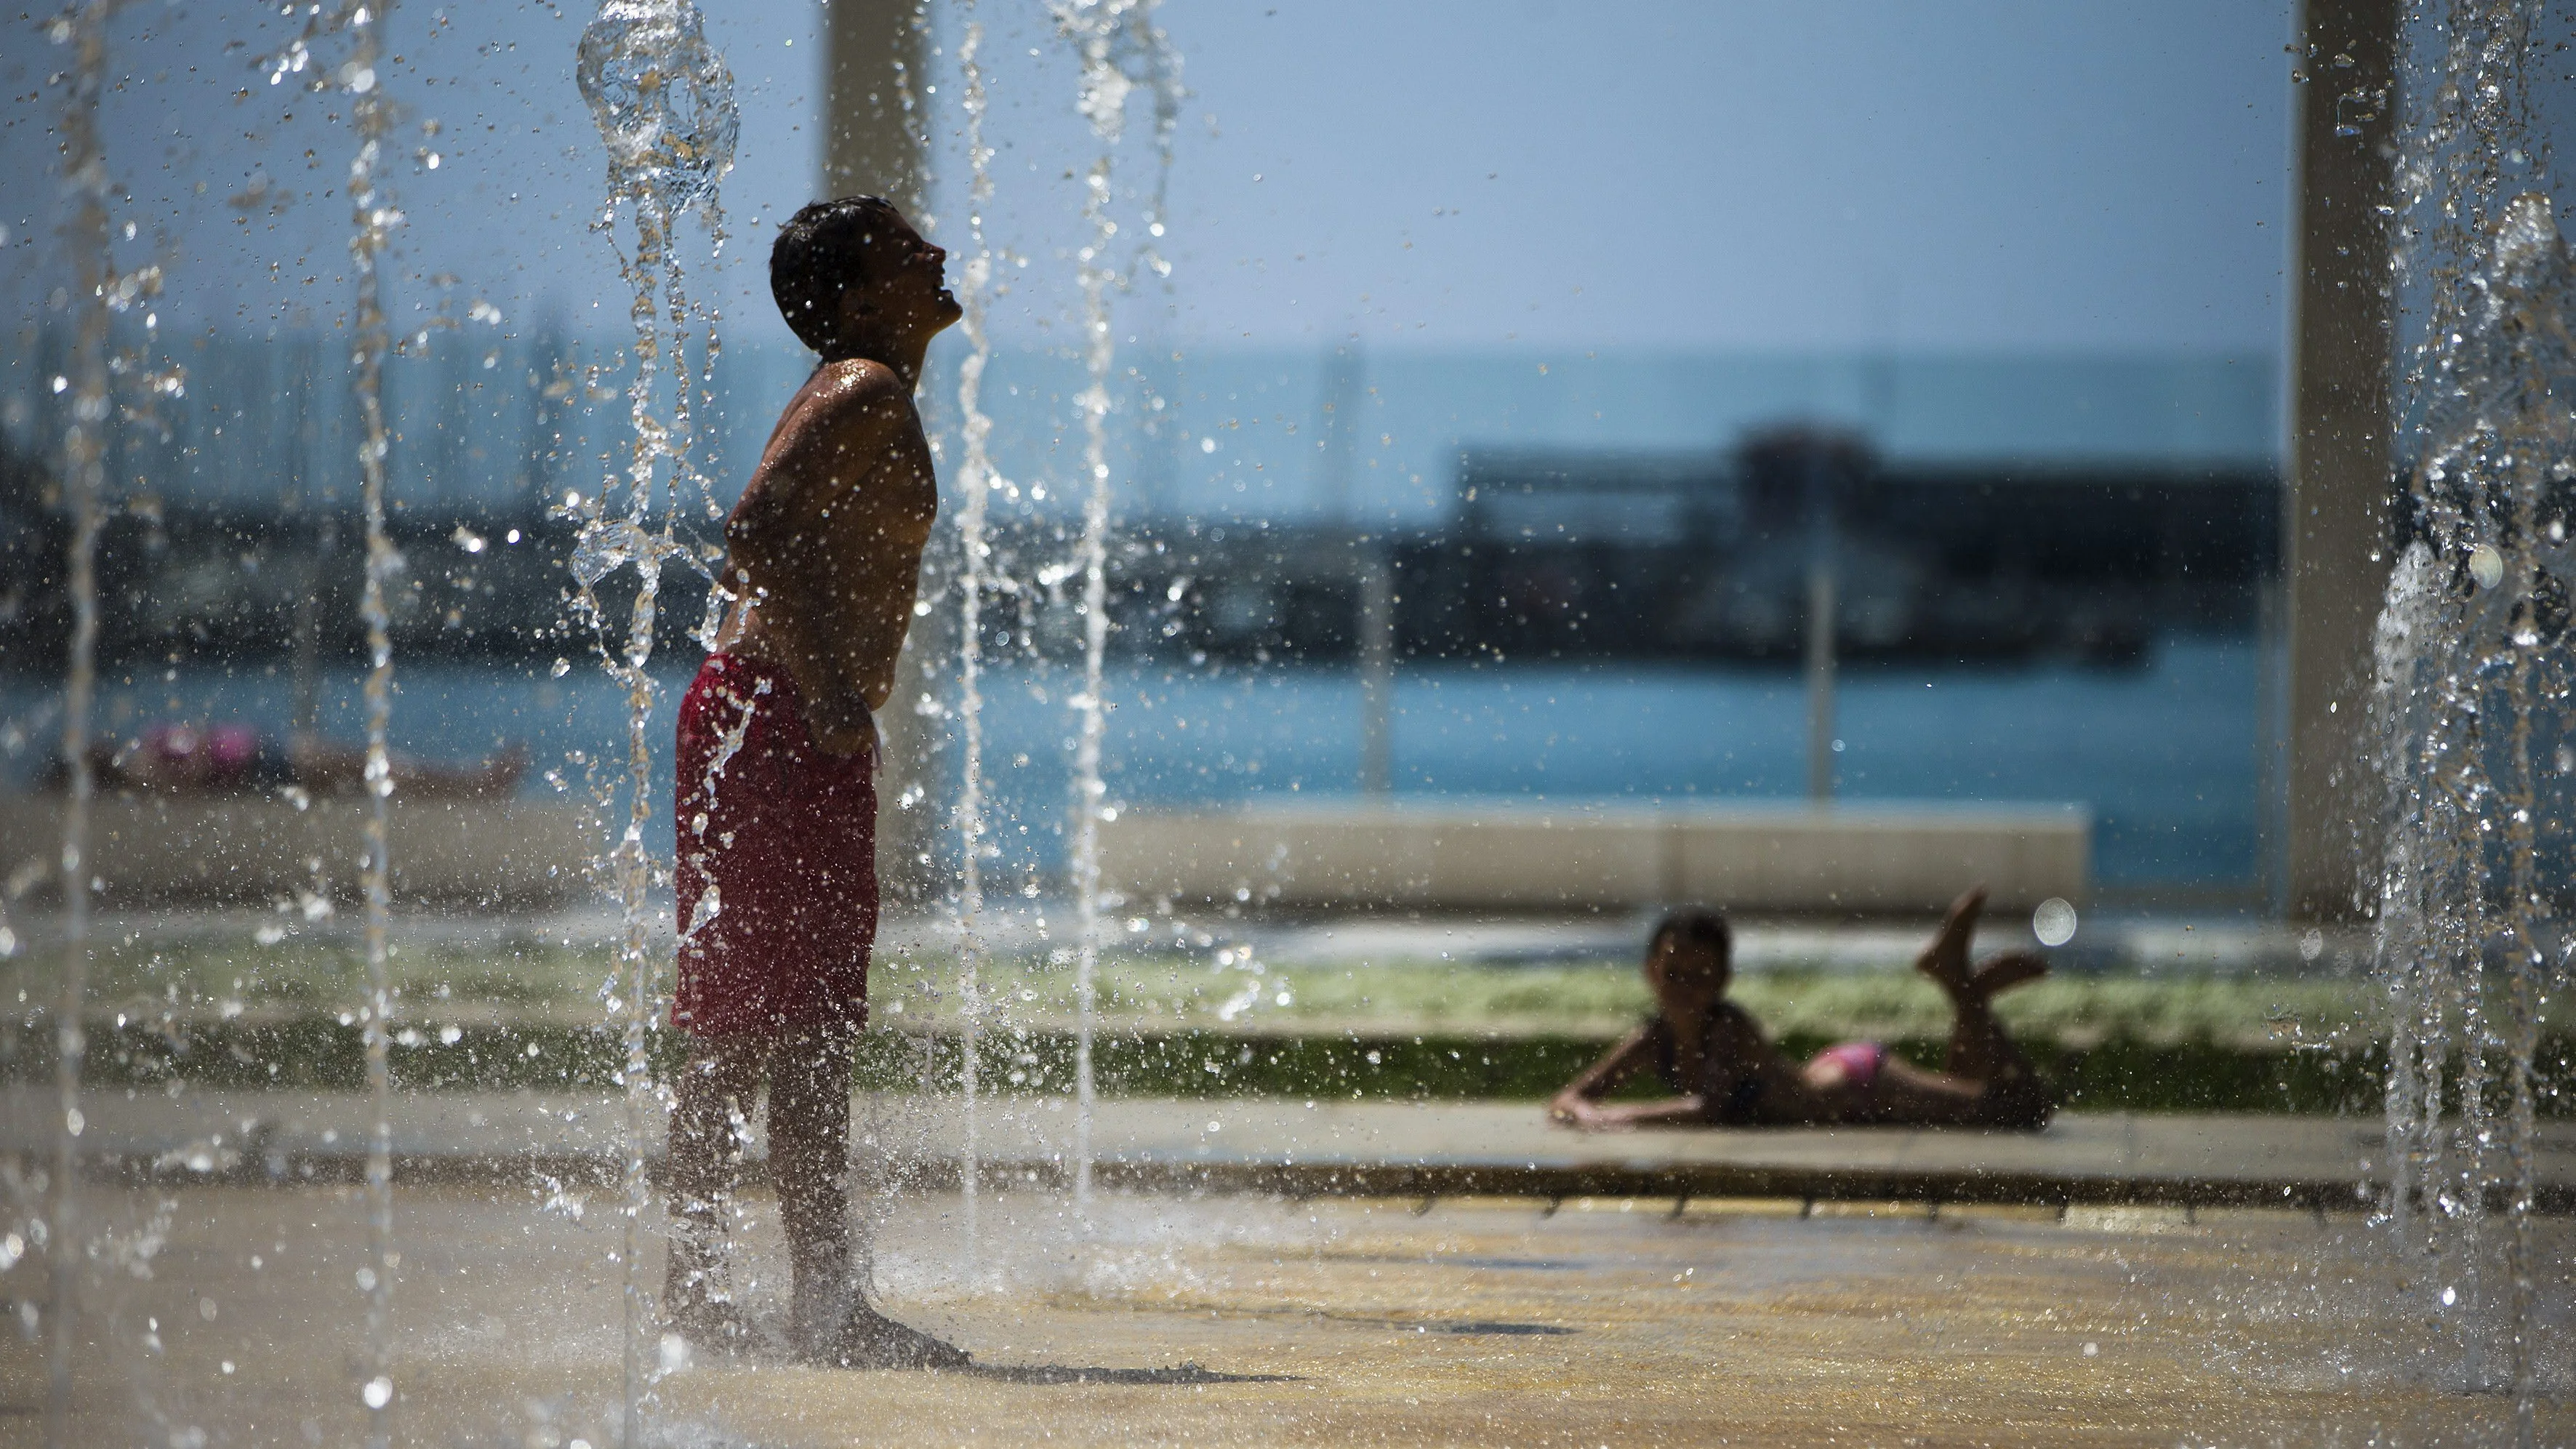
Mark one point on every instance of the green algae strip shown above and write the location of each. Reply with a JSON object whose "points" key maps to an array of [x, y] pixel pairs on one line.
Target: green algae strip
{"points": [[2118, 1074], [531, 981], [524, 1012]]}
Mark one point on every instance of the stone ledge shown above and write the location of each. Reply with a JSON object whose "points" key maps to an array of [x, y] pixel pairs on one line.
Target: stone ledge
{"points": [[250, 849]]}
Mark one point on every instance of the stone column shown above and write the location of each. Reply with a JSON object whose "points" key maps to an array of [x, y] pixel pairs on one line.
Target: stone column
{"points": [[875, 115], [874, 111], [2336, 523], [1377, 666]]}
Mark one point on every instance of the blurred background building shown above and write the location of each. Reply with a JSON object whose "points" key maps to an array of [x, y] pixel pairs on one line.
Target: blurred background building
{"points": [[1556, 416]]}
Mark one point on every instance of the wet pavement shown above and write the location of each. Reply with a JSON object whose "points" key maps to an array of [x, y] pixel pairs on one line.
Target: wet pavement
{"points": [[219, 1315]]}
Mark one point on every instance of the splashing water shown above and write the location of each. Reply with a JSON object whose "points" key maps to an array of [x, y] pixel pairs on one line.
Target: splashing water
{"points": [[373, 217], [86, 236], [2474, 665], [663, 101], [1121, 49], [664, 104]]}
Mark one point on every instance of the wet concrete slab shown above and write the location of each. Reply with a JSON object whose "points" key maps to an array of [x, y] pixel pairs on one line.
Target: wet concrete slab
{"points": [[223, 1315], [1298, 1147]]}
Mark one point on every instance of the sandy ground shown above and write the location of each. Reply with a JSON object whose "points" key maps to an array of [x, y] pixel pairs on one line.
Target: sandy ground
{"points": [[232, 1316]]}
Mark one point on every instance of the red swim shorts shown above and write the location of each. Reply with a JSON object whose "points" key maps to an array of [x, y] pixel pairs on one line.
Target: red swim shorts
{"points": [[777, 866]]}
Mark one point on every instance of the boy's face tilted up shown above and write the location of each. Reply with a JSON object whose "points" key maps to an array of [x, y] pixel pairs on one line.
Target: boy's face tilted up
{"points": [[904, 288]]}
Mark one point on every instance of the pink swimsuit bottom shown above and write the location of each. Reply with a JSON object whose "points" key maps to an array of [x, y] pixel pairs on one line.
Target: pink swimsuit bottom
{"points": [[1860, 1061]]}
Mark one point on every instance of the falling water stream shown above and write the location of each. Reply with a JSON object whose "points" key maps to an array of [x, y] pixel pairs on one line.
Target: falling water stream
{"points": [[2475, 665], [664, 103], [372, 219], [86, 237], [977, 482], [1120, 49]]}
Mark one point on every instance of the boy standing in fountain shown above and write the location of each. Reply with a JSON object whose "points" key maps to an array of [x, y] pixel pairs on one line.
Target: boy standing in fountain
{"points": [[777, 795]]}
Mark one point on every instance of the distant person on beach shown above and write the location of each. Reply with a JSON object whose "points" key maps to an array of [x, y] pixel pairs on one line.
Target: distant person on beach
{"points": [[190, 759], [1722, 1071], [777, 888]]}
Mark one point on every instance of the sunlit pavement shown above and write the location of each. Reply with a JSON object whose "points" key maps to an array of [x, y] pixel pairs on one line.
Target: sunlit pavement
{"points": [[233, 1313]]}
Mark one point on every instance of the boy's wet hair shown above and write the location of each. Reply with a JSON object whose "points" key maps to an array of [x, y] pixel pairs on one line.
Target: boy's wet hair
{"points": [[820, 252], [1697, 926]]}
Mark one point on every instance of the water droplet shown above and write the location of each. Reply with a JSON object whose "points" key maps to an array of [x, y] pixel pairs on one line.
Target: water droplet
{"points": [[709, 904], [379, 1392], [2486, 566], [2054, 922]]}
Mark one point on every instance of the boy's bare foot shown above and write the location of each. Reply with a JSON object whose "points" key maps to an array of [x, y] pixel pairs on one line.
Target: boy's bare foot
{"points": [[870, 1340], [1946, 959], [2002, 973]]}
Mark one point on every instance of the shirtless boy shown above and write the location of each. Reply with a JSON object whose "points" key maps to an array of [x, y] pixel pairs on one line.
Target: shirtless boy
{"points": [[777, 795], [1722, 1071]]}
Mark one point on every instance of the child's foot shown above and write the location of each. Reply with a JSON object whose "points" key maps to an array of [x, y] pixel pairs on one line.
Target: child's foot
{"points": [[2002, 973], [870, 1340]]}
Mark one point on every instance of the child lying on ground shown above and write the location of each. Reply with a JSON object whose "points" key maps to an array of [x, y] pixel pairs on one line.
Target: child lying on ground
{"points": [[1723, 1071]]}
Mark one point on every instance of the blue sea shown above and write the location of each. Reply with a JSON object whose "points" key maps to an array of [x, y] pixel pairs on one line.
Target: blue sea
{"points": [[2168, 756]]}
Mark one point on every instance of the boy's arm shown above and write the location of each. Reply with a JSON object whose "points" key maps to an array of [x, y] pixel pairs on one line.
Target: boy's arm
{"points": [[817, 538], [876, 531]]}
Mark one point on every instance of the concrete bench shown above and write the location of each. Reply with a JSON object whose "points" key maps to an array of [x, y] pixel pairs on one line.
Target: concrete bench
{"points": [[1473, 855]]}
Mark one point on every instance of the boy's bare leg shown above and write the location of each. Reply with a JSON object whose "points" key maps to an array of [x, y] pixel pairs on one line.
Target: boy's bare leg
{"points": [[703, 1168], [809, 1159], [809, 1155]]}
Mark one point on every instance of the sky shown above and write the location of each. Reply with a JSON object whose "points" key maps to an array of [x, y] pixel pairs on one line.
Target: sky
{"points": [[1445, 176]]}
